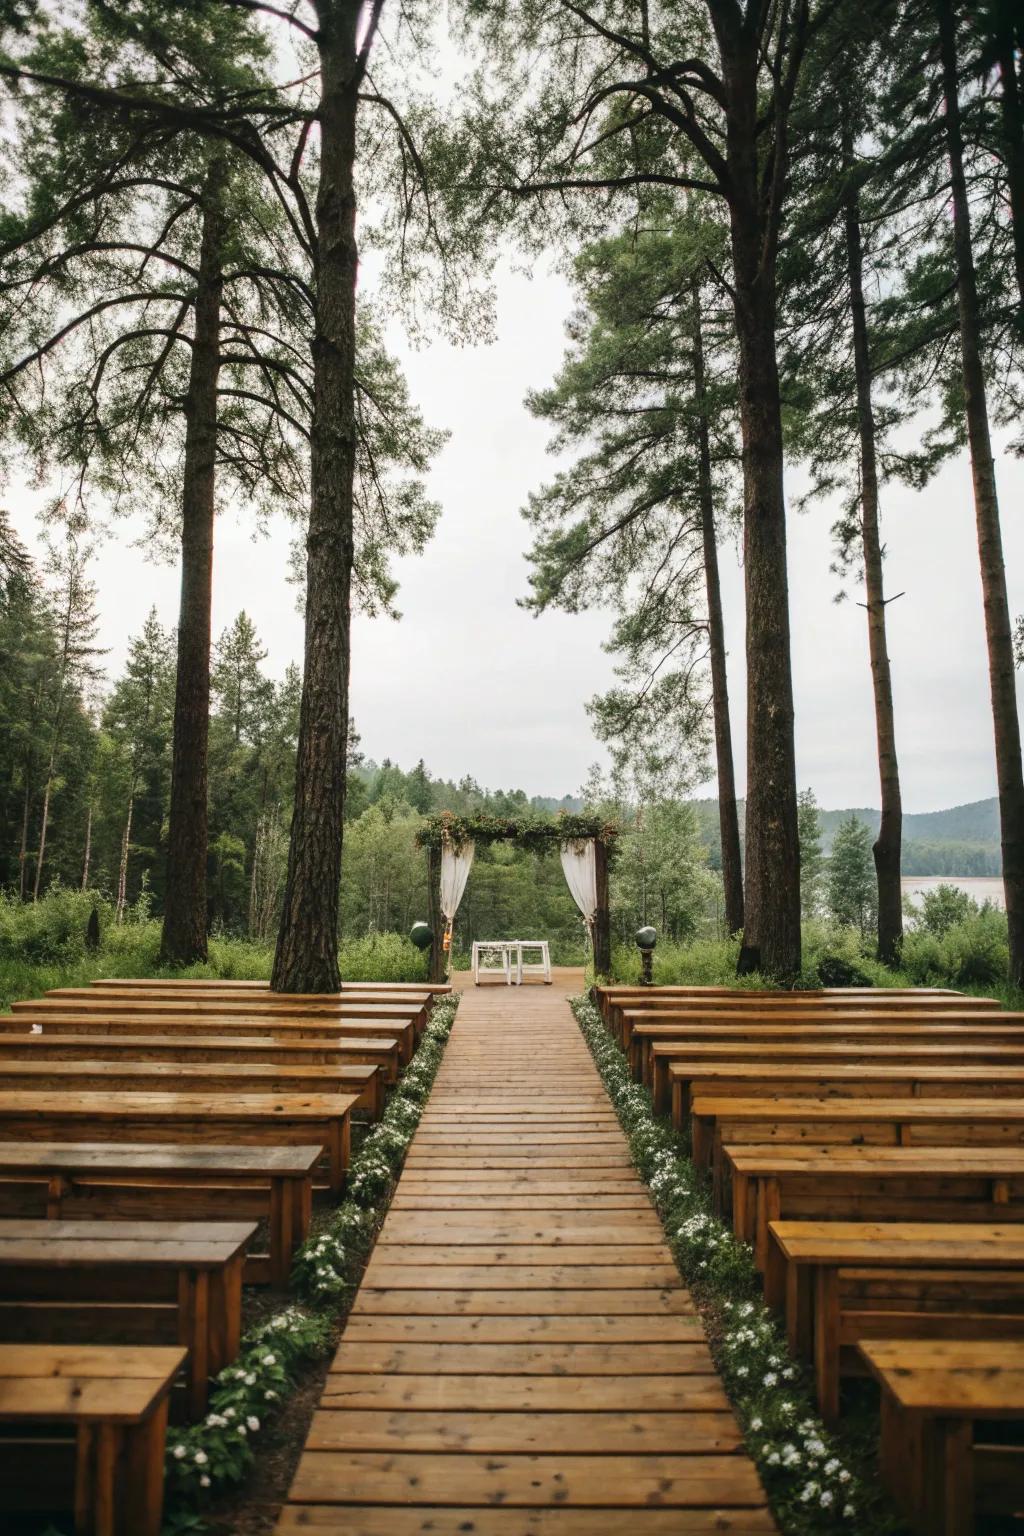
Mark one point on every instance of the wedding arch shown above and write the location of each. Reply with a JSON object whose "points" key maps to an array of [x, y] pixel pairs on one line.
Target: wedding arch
{"points": [[583, 841]]}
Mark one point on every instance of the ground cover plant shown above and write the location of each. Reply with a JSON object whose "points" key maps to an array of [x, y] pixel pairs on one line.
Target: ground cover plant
{"points": [[818, 1482]]}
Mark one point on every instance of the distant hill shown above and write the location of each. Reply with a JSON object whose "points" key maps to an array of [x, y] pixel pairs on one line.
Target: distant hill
{"points": [[963, 840]]}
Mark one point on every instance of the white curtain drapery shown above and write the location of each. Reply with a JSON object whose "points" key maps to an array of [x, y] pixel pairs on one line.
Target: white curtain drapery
{"points": [[579, 865], [456, 864]]}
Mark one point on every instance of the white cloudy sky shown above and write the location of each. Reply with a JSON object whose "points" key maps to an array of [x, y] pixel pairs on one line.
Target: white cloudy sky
{"points": [[474, 685]]}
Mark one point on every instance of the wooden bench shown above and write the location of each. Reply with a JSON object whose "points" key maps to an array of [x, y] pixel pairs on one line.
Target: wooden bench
{"points": [[114, 1399], [850, 1121], [420, 990], [96, 1074], [212, 1049], [936, 1396], [794, 1005], [772, 1183], [611, 999], [654, 1045], [69, 1281], [58, 1179], [908, 1028], [254, 1120], [222, 1007], [817, 1079], [179, 1028], [840, 1282]]}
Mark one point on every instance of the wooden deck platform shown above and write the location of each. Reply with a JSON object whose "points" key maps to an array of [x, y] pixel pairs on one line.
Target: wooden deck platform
{"points": [[522, 1358]]}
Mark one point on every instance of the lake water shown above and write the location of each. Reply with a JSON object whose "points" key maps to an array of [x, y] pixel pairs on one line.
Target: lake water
{"points": [[981, 887]]}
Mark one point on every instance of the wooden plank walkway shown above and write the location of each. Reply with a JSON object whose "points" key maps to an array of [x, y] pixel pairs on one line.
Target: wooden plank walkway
{"points": [[522, 1358]]}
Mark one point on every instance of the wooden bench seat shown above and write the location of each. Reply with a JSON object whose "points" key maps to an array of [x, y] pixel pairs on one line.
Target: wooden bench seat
{"points": [[75, 1281], [849, 1121], [937, 1398], [95, 1074], [212, 1049], [905, 1029], [779, 1182], [114, 1401], [790, 1007], [181, 1028], [817, 1079], [612, 1000], [187, 985], [222, 1008], [843, 1281], [159, 1183], [260, 1120]]}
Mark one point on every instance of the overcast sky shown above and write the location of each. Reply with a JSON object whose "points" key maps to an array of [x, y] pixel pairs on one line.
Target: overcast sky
{"points": [[474, 685]]}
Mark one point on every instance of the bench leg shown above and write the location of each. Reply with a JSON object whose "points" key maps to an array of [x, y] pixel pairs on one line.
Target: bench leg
{"points": [[282, 1224], [107, 1447], [948, 1478], [826, 1341], [194, 1334], [225, 1314], [144, 1469], [767, 1209]]}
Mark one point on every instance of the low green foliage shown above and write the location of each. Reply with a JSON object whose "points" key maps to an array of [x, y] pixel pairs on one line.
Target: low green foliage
{"points": [[968, 952], [813, 1479]]}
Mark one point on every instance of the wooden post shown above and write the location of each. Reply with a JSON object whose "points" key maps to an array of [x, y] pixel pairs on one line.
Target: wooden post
{"points": [[435, 916], [602, 917]]}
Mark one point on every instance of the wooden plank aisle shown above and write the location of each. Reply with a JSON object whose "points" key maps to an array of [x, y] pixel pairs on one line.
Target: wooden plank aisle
{"points": [[522, 1358]]}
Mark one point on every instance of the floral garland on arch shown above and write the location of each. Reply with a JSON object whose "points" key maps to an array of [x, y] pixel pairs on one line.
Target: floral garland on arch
{"points": [[539, 834]]}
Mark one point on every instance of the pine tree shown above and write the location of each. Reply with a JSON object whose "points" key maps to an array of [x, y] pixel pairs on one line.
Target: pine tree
{"points": [[850, 882]]}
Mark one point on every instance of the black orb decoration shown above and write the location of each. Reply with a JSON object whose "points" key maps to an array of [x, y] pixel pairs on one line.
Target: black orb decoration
{"points": [[422, 935]]}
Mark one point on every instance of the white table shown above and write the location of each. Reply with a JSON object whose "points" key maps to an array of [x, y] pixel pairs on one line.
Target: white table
{"points": [[508, 953]]}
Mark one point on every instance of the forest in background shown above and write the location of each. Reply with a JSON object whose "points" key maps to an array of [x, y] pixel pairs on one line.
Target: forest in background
{"points": [[85, 773]]}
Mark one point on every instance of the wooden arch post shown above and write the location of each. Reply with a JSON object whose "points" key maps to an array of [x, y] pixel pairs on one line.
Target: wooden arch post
{"points": [[602, 916], [435, 916]]}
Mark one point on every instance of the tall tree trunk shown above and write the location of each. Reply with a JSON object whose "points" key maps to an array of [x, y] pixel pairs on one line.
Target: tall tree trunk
{"points": [[1011, 103], [88, 848], [307, 944], [184, 931], [1002, 682], [888, 845], [728, 818], [771, 930], [122, 870], [44, 820], [23, 846]]}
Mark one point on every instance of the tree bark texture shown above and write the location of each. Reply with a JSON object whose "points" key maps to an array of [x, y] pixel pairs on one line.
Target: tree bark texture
{"points": [[1002, 680], [728, 818], [88, 849], [185, 918], [771, 934], [307, 947], [122, 872], [1011, 104], [888, 845]]}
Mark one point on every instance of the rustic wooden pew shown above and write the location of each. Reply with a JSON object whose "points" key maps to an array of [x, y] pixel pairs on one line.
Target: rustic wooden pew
{"points": [[114, 1401], [781, 1004], [958, 1184], [178, 1028], [816, 1079], [160, 1183], [220, 1008], [645, 1031], [60, 1280], [840, 1282], [97, 1075], [252, 1120], [226, 984], [212, 1049], [610, 998], [849, 1121], [937, 1396]]}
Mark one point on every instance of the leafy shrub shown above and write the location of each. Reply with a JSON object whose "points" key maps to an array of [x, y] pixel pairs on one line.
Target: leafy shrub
{"points": [[382, 957], [941, 908], [973, 952]]}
